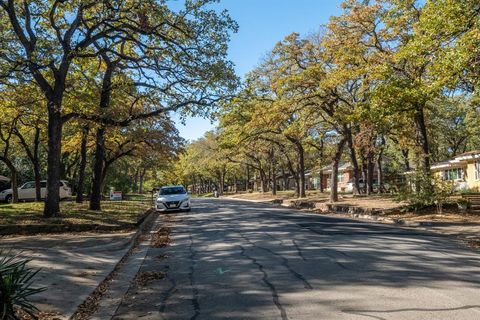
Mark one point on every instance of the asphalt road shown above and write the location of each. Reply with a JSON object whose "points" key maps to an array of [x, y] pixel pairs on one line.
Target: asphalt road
{"points": [[240, 260]]}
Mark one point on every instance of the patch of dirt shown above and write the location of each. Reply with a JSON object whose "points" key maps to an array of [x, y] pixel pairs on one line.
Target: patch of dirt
{"points": [[430, 214], [144, 278]]}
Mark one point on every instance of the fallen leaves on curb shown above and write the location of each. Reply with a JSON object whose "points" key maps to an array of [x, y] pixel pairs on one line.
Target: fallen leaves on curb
{"points": [[90, 305], [39, 316], [161, 238], [144, 278]]}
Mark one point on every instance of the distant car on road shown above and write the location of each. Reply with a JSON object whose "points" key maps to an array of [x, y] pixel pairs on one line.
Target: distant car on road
{"points": [[172, 198], [27, 191]]}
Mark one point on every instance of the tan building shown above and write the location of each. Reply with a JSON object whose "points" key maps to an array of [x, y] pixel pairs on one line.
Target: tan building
{"points": [[463, 170]]}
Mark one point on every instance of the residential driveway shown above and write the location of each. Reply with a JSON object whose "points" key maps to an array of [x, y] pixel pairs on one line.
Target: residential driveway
{"points": [[72, 265], [240, 260]]}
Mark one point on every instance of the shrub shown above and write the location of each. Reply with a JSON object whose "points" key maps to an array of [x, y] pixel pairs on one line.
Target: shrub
{"points": [[424, 190], [16, 281], [468, 190]]}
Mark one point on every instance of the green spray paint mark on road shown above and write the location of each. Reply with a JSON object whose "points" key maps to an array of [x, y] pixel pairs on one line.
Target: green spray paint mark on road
{"points": [[221, 271]]}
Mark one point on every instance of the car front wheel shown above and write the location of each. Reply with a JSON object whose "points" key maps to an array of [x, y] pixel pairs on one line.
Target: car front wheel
{"points": [[8, 199]]}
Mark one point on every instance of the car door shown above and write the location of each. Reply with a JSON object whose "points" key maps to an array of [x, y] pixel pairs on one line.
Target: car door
{"points": [[43, 189], [27, 191]]}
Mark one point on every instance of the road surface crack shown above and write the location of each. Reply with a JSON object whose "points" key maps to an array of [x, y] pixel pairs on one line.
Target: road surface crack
{"points": [[191, 277], [284, 262], [334, 259], [169, 292], [270, 285], [300, 253]]}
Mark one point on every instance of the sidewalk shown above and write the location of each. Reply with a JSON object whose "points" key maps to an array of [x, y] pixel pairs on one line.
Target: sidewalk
{"points": [[72, 265]]}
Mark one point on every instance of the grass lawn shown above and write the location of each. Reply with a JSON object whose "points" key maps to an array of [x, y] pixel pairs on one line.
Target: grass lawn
{"points": [[113, 213]]}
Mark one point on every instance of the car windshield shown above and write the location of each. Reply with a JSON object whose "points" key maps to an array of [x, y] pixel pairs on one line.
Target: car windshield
{"points": [[172, 190]]}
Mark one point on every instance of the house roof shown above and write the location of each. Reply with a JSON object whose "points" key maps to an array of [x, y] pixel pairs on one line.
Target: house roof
{"points": [[341, 167], [456, 161], [474, 154]]}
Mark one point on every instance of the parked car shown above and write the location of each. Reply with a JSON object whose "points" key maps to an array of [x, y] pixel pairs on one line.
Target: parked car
{"points": [[172, 198], [4, 183], [27, 191]]}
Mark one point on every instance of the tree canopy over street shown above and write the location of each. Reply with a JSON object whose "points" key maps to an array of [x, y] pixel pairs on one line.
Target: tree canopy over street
{"points": [[89, 89], [388, 86], [107, 74]]}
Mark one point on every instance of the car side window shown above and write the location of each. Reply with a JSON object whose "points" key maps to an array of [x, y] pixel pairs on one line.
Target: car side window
{"points": [[28, 185], [43, 184]]}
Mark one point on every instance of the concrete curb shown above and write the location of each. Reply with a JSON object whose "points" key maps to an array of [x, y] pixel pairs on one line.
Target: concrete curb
{"points": [[143, 226], [122, 281]]}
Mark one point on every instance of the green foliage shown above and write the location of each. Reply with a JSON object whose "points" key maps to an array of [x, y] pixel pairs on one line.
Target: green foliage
{"points": [[16, 286], [424, 190]]}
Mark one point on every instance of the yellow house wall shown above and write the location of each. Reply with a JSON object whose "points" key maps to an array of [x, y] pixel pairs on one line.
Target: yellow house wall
{"points": [[470, 178]]}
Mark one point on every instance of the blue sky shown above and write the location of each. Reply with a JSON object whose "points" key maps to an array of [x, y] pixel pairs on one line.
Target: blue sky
{"points": [[262, 23]]}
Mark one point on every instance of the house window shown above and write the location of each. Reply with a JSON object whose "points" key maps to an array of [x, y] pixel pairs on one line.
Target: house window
{"points": [[340, 177], [477, 170], [453, 174]]}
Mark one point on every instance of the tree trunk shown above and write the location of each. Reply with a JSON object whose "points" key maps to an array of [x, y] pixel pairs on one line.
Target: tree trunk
{"points": [[297, 183], [263, 181], [274, 179], [336, 160], [381, 183], [38, 178], [353, 160], [55, 126], [422, 139], [273, 172], [321, 181], [406, 161], [364, 174], [301, 170], [370, 168], [97, 171], [83, 164], [13, 177], [36, 165], [135, 181], [142, 177], [97, 181]]}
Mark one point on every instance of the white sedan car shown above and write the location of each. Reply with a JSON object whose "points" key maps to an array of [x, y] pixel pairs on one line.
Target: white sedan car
{"points": [[27, 191], [172, 198]]}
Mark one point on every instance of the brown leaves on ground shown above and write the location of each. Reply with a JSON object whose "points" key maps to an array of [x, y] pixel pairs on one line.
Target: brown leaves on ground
{"points": [[39, 316], [161, 238], [473, 243], [144, 278]]}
